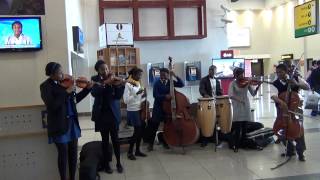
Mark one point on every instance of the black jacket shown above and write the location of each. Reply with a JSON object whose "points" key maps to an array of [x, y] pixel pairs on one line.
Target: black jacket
{"points": [[111, 94], [55, 98], [314, 79], [205, 87]]}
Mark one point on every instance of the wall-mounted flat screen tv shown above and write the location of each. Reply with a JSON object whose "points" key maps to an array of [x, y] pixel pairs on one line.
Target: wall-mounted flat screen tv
{"points": [[20, 34], [225, 67]]}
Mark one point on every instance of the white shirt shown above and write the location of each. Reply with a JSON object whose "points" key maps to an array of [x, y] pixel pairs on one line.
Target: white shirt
{"points": [[21, 40], [131, 99], [213, 85]]}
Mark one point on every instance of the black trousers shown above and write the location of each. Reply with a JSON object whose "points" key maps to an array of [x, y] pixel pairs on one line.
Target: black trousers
{"points": [[152, 129], [67, 153], [136, 138], [113, 132], [238, 134], [300, 146]]}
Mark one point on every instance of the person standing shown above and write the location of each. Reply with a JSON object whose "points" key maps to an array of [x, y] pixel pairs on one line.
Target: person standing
{"points": [[209, 87], [314, 81], [241, 107], [297, 83], [107, 92], [133, 97], [63, 125]]}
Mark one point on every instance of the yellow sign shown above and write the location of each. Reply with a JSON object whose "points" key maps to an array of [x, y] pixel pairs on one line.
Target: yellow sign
{"points": [[305, 18]]}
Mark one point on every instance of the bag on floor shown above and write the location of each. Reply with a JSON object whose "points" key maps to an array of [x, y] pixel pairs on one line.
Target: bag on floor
{"points": [[312, 101], [92, 160], [259, 138]]}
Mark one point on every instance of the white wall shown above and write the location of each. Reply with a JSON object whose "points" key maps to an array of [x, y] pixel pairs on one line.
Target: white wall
{"points": [[272, 32], [158, 51], [22, 73]]}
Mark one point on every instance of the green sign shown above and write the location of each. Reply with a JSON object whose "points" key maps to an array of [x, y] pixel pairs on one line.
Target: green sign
{"points": [[306, 19]]}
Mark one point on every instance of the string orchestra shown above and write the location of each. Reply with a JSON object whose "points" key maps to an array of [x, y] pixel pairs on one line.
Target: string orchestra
{"points": [[219, 117]]}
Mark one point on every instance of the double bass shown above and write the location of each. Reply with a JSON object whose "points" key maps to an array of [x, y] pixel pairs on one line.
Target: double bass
{"points": [[180, 128]]}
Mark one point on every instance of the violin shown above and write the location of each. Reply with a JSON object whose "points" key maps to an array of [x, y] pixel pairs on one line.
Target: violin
{"points": [[68, 81], [252, 82]]}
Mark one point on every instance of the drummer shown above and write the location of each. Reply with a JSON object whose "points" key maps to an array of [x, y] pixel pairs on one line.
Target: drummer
{"points": [[209, 87]]}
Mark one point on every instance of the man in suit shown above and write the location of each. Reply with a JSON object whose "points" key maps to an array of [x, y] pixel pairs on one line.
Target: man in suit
{"points": [[209, 87], [161, 92]]}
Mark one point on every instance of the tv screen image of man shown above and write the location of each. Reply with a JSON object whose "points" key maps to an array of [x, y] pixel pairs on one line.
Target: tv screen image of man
{"points": [[18, 38]]}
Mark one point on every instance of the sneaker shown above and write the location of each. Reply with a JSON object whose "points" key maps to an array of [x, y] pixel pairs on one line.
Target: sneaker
{"points": [[302, 158], [140, 154], [119, 168], [131, 156]]}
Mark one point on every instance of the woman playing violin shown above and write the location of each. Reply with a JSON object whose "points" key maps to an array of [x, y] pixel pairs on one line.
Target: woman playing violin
{"points": [[133, 96], [297, 83], [241, 107], [106, 110], [63, 125]]}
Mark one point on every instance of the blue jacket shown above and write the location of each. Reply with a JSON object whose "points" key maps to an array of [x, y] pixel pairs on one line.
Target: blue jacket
{"points": [[111, 94], [160, 90]]}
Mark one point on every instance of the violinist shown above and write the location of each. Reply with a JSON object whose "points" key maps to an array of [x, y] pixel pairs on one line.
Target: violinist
{"points": [[238, 92], [209, 87], [297, 83], [161, 92], [106, 110], [133, 97], [63, 125]]}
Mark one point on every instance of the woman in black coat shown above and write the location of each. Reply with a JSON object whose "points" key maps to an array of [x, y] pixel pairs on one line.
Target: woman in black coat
{"points": [[106, 110], [63, 125]]}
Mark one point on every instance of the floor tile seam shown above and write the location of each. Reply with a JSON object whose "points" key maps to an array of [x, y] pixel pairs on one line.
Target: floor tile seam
{"points": [[232, 157], [162, 166], [205, 168]]}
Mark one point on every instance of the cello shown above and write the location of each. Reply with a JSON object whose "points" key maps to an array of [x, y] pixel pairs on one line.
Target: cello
{"points": [[180, 128], [287, 126]]}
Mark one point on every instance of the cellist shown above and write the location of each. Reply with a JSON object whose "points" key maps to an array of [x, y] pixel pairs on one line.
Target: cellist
{"points": [[297, 83]]}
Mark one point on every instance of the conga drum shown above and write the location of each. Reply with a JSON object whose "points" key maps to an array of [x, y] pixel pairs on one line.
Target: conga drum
{"points": [[224, 113], [206, 116]]}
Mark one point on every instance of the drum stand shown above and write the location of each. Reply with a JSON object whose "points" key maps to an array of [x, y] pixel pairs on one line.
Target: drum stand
{"points": [[217, 128]]}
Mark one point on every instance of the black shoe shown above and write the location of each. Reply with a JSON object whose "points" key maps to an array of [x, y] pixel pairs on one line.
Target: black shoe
{"points": [[119, 168], [235, 149], [203, 144], [140, 154], [150, 148], [288, 154], [302, 158], [108, 169], [165, 146], [131, 156]]}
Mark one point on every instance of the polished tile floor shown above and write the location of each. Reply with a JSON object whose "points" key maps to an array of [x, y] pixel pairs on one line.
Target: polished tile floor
{"points": [[206, 164]]}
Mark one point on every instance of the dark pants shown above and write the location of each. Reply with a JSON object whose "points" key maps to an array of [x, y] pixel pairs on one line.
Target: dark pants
{"points": [[67, 152], [136, 138], [300, 146], [239, 131], [152, 129], [113, 132]]}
